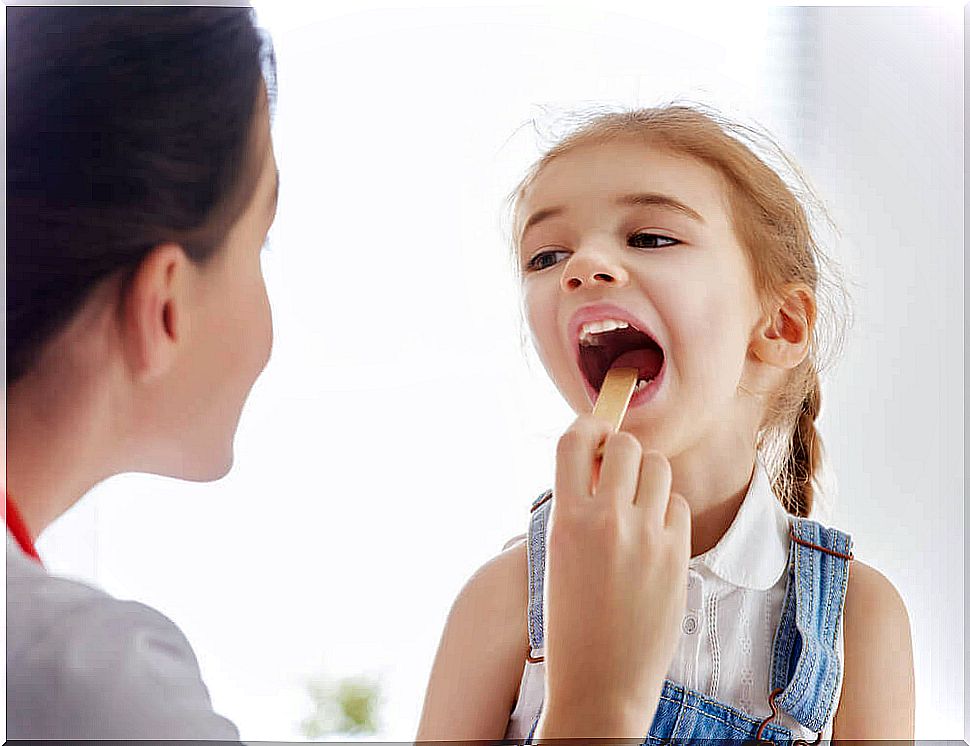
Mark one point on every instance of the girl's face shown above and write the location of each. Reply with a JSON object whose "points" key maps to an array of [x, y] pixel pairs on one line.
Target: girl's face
{"points": [[629, 255]]}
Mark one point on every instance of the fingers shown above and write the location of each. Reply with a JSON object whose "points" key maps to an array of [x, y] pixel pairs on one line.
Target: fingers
{"points": [[620, 469], [678, 518], [627, 476], [678, 512], [678, 523], [574, 458], [653, 488]]}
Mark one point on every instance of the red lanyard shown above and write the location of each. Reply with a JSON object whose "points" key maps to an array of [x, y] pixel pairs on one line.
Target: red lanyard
{"points": [[18, 528]]}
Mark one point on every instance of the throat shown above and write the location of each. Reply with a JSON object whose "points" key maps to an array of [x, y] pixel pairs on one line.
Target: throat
{"points": [[709, 524], [715, 485]]}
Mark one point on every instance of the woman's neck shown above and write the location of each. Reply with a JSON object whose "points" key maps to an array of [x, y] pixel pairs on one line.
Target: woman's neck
{"points": [[56, 447], [65, 422]]}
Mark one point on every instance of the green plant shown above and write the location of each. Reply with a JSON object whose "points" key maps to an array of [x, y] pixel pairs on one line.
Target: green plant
{"points": [[348, 706]]}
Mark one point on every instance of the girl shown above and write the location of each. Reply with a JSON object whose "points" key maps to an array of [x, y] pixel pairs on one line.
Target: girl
{"points": [[657, 239], [141, 185]]}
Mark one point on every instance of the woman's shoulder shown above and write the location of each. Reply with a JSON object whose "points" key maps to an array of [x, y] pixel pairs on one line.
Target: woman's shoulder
{"points": [[36, 599], [49, 614], [100, 665]]}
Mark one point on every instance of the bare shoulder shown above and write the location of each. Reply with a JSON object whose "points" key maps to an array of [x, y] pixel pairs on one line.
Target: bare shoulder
{"points": [[476, 672], [871, 592], [878, 689], [499, 589]]}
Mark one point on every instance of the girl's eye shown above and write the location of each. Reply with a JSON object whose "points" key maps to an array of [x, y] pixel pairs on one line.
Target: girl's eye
{"points": [[544, 260], [651, 241]]}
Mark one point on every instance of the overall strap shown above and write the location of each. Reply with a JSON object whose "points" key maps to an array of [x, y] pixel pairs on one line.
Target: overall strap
{"points": [[806, 667], [536, 544]]}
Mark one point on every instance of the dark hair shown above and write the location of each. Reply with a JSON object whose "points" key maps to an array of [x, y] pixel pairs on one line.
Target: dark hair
{"points": [[126, 128]]}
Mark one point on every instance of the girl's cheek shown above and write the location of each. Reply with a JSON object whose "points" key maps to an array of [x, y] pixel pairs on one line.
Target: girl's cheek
{"points": [[540, 311], [535, 309]]}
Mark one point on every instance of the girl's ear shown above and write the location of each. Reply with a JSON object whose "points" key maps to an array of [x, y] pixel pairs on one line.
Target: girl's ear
{"points": [[782, 337]]}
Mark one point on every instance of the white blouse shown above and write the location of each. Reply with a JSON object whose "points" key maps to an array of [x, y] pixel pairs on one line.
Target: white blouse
{"points": [[735, 593]]}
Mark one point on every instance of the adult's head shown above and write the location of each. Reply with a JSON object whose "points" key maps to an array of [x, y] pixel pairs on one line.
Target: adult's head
{"points": [[141, 184]]}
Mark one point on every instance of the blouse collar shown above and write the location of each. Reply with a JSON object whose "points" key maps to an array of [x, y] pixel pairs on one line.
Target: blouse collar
{"points": [[753, 553]]}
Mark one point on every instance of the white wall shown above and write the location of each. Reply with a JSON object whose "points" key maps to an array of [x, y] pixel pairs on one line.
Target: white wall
{"points": [[883, 136], [398, 433]]}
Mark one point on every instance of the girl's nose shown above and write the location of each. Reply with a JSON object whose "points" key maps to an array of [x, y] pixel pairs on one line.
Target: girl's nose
{"points": [[594, 269]]}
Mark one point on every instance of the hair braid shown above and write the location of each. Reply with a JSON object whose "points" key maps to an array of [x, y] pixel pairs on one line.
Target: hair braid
{"points": [[799, 472]]}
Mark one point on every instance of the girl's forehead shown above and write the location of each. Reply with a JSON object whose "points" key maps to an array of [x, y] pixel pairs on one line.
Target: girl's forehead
{"points": [[607, 171]]}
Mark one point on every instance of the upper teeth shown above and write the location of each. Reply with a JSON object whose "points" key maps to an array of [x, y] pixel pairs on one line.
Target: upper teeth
{"points": [[591, 328]]}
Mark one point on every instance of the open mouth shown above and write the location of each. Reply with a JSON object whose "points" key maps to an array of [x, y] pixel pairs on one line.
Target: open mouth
{"points": [[609, 343]]}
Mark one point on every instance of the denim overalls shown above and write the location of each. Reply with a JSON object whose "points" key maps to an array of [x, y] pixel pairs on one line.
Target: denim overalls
{"points": [[805, 670]]}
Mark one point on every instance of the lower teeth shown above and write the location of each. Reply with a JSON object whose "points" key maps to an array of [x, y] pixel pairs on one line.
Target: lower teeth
{"points": [[642, 384]]}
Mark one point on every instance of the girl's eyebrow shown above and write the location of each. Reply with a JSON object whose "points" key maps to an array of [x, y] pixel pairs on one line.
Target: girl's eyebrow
{"points": [[653, 199], [538, 216], [641, 199]]}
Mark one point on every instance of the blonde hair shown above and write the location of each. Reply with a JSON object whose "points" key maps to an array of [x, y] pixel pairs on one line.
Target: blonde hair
{"points": [[778, 224]]}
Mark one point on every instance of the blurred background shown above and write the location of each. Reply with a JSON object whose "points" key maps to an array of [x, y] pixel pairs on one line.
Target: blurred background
{"points": [[402, 427]]}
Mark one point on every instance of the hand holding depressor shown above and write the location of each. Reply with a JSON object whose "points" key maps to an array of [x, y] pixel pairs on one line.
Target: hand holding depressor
{"points": [[616, 576]]}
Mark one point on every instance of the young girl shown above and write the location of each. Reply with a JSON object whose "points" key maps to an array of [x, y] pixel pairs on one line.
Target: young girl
{"points": [[657, 239]]}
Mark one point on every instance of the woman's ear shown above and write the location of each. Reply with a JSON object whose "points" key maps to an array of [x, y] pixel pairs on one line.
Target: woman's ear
{"points": [[782, 337], [155, 323]]}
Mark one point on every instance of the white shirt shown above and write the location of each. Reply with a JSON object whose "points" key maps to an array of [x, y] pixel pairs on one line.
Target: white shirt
{"points": [[84, 665], [735, 592]]}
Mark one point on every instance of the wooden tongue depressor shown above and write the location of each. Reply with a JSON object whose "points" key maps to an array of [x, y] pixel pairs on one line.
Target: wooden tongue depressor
{"points": [[614, 398]]}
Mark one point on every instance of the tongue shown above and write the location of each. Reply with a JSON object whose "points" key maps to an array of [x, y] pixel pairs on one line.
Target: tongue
{"points": [[647, 361]]}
